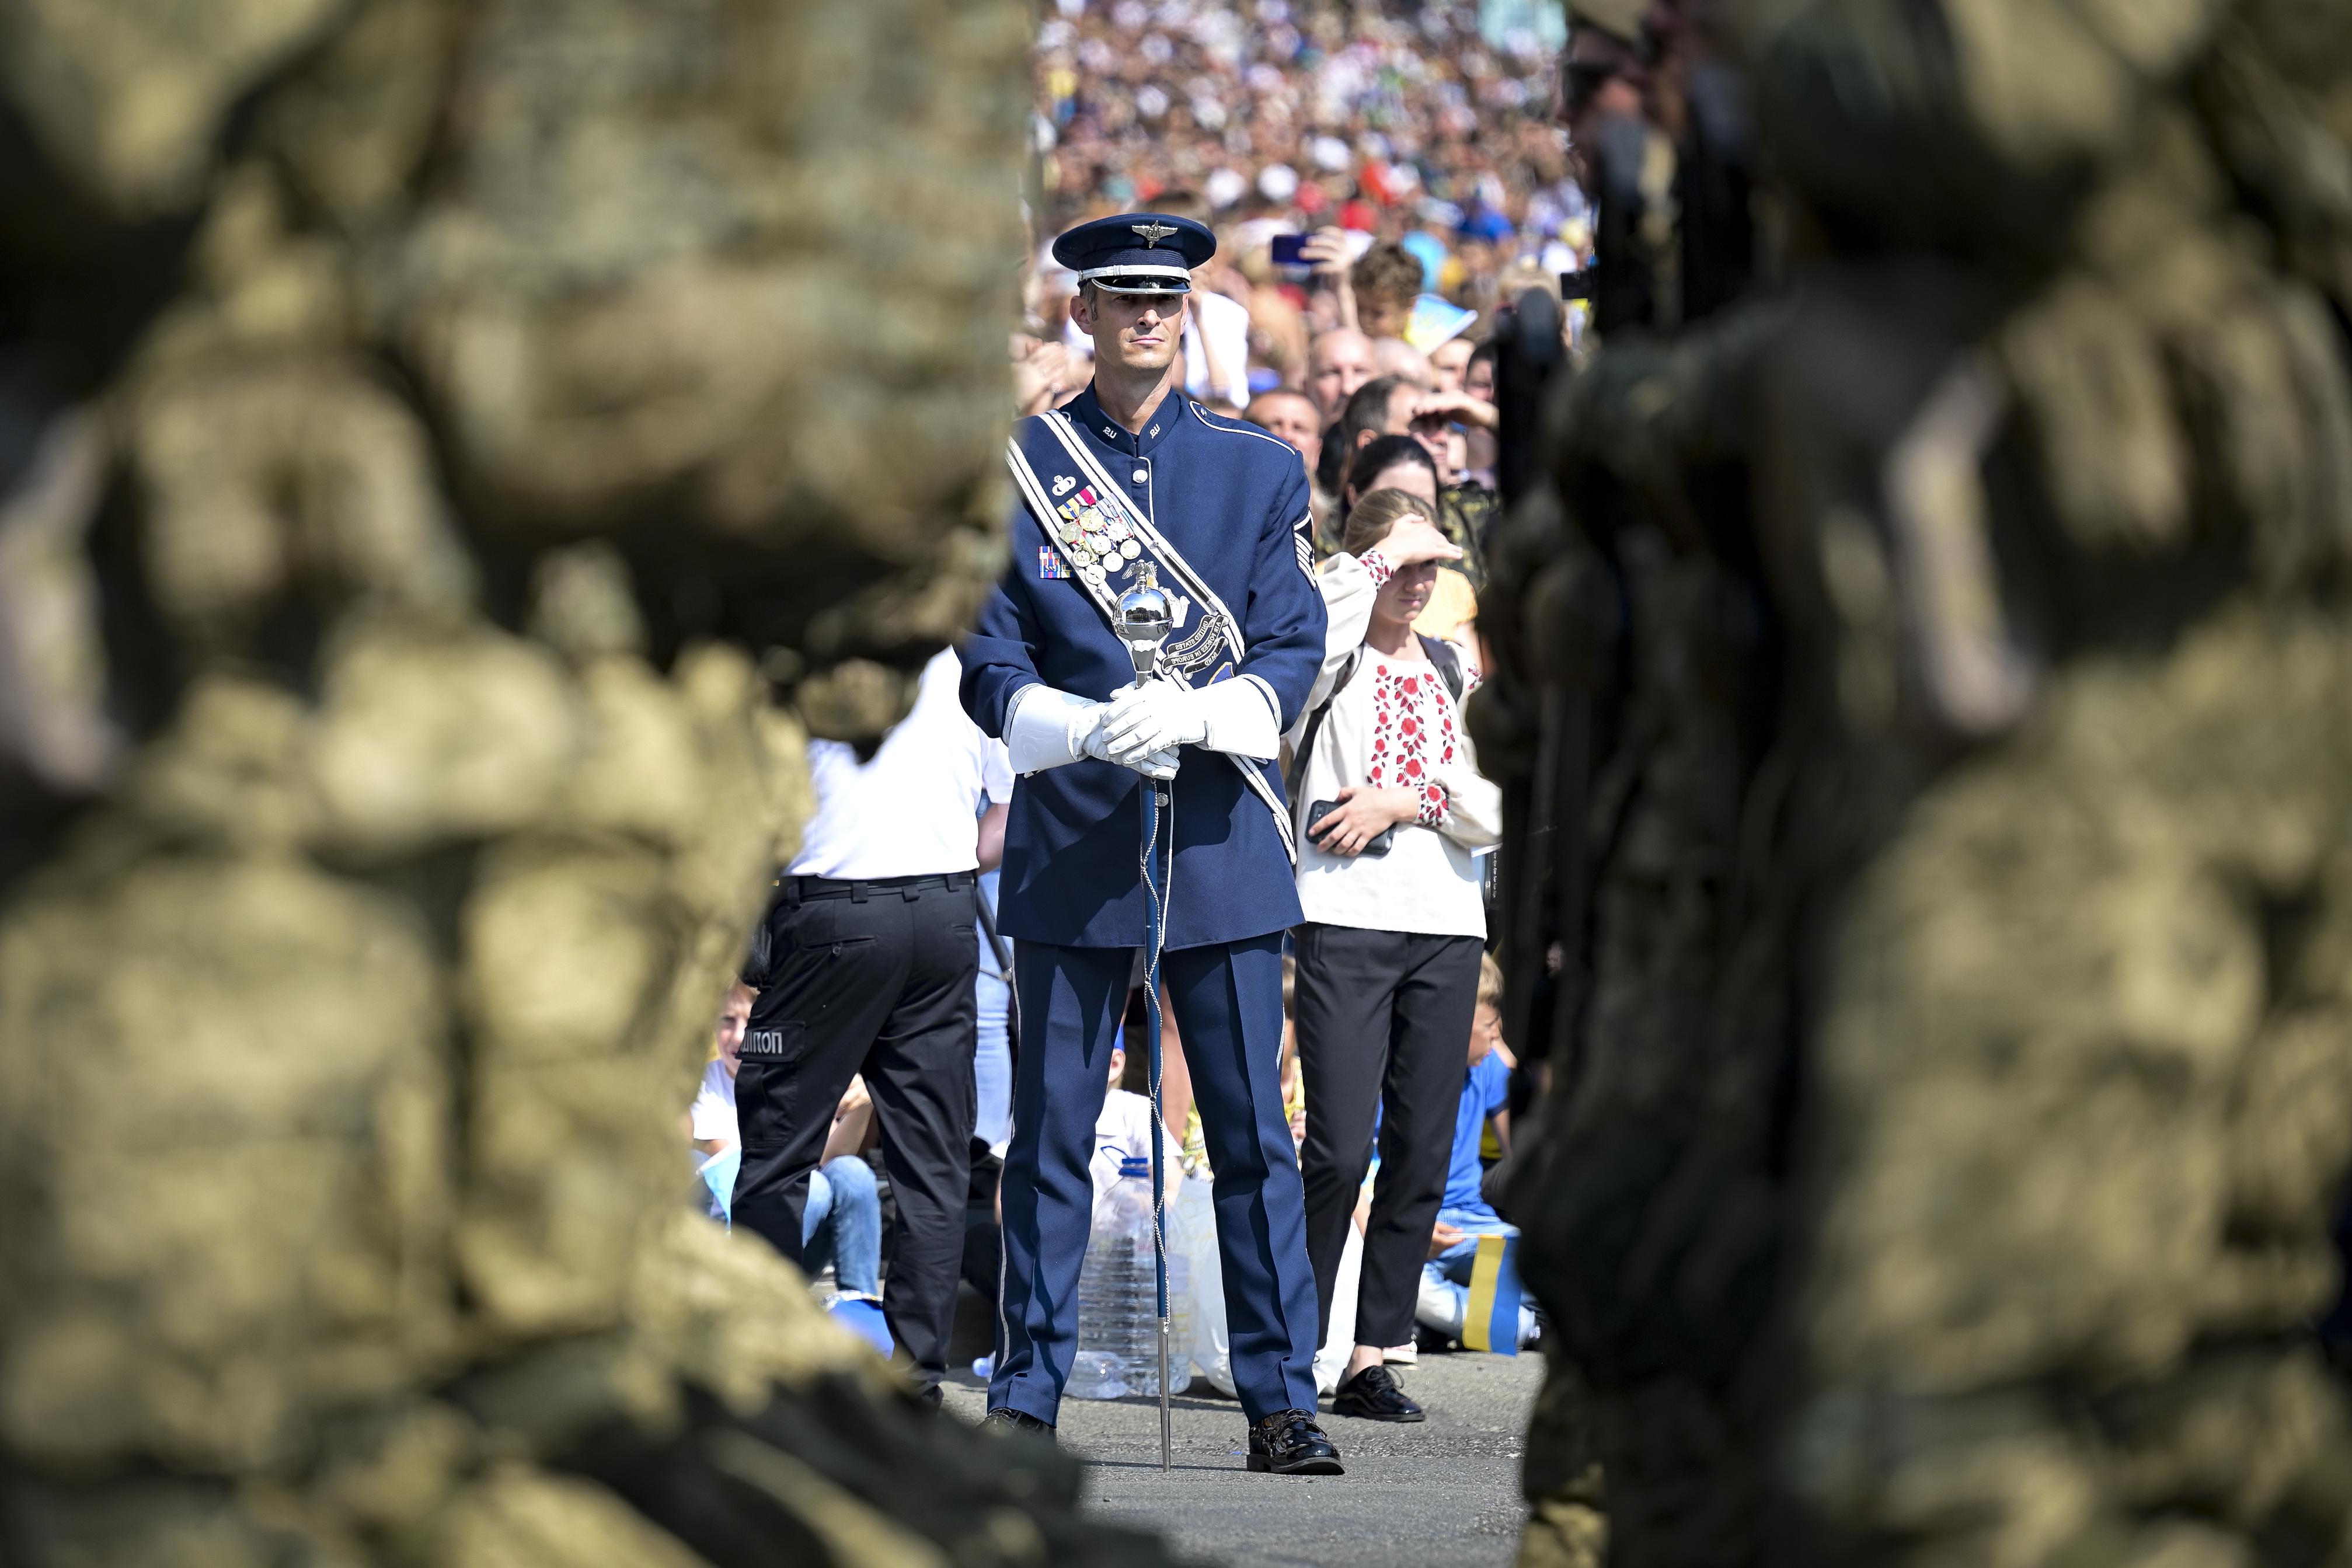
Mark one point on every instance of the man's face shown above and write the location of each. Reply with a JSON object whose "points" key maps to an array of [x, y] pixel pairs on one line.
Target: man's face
{"points": [[1486, 1032], [1289, 418], [1434, 433], [1135, 332], [1447, 361], [1437, 437], [1339, 363], [1396, 419], [734, 1015], [1399, 419]]}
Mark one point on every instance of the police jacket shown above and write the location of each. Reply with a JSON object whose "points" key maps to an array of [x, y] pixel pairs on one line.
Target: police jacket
{"points": [[1233, 502]]}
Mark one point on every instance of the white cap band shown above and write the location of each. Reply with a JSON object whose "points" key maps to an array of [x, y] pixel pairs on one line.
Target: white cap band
{"points": [[1172, 274]]}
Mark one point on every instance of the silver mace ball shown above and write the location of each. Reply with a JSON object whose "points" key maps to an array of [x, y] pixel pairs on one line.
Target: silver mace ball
{"points": [[1144, 621]]}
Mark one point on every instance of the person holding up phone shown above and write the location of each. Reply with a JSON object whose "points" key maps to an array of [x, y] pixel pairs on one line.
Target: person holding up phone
{"points": [[1395, 923]]}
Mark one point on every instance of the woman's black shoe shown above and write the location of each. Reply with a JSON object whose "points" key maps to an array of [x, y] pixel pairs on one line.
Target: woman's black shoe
{"points": [[1288, 1443], [1004, 1420], [1372, 1394]]}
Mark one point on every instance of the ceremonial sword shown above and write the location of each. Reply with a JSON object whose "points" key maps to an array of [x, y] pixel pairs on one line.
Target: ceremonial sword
{"points": [[1144, 623]]}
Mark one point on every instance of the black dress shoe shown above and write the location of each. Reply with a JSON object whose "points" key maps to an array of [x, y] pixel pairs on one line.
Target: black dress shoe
{"points": [[1372, 1394], [1004, 1420], [1288, 1443]]}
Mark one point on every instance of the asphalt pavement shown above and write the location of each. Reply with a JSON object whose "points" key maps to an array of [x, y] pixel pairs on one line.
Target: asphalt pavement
{"points": [[1442, 1490]]}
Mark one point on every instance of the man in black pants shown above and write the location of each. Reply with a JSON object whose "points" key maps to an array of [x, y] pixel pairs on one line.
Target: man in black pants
{"points": [[869, 963]]}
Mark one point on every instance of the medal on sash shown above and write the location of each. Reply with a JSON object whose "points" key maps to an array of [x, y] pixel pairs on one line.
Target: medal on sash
{"points": [[1105, 541]]}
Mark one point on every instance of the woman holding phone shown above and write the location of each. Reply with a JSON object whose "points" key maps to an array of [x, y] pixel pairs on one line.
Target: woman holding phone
{"points": [[1391, 807]]}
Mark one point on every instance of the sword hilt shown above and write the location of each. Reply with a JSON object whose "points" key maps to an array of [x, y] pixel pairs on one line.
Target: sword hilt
{"points": [[1145, 620]]}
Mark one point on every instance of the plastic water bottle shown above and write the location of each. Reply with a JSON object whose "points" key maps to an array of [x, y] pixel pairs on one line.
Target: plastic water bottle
{"points": [[1118, 1307]]}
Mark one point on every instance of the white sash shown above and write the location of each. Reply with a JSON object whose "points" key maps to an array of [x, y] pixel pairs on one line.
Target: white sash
{"points": [[1214, 643]]}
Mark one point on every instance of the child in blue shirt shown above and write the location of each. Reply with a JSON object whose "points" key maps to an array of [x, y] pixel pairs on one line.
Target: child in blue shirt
{"points": [[1463, 1216]]}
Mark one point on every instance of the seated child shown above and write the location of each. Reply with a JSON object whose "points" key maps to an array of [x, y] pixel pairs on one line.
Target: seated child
{"points": [[842, 1221], [1464, 1215]]}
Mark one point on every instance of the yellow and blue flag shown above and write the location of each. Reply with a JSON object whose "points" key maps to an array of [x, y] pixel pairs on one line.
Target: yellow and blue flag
{"points": [[1490, 1321]]}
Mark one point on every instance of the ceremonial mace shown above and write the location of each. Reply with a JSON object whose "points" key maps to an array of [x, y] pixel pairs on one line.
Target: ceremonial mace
{"points": [[1143, 626]]}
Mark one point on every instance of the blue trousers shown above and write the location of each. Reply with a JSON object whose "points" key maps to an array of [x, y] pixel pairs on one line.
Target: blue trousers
{"points": [[843, 1225], [1228, 1003]]}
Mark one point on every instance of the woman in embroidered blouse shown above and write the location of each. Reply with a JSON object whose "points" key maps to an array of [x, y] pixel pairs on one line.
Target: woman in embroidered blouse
{"points": [[1388, 960]]}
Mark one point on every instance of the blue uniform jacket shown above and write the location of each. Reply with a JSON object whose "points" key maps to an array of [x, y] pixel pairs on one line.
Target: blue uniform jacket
{"points": [[1233, 501]]}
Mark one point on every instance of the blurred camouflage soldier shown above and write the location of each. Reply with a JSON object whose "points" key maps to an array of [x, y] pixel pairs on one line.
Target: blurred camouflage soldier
{"points": [[1937, 673], [442, 488]]}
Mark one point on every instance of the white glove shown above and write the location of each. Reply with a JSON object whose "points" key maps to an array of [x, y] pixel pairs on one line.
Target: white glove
{"points": [[1049, 729], [1095, 743], [1159, 765], [1158, 717], [1088, 736]]}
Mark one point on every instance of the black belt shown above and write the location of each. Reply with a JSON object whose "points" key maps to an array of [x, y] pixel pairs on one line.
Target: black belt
{"points": [[802, 890]]}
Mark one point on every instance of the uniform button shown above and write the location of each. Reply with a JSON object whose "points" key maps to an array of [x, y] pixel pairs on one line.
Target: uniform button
{"points": [[1141, 475]]}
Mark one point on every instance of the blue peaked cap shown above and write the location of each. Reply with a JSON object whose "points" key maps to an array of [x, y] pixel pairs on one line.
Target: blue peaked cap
{"points": [[1137, 253]]}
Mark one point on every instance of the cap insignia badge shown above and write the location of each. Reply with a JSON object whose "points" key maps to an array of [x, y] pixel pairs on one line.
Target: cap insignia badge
{"points": [[1153, 233]]}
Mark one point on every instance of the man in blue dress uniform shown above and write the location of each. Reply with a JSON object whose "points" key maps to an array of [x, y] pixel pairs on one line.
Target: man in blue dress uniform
{"points": [[1128, 479]]}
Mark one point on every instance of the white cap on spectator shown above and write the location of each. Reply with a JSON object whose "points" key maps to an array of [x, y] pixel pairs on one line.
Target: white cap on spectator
{"points": [[1224, 188], [1278, 181]]}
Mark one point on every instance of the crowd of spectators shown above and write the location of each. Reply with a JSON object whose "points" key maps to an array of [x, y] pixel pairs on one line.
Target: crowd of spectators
{"points": [[1428, 122], [1411, 156], [1381, 175]]}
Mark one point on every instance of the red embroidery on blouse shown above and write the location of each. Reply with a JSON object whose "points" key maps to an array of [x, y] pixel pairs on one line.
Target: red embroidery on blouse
{"points": [[1376, 565], [1412, 735]]}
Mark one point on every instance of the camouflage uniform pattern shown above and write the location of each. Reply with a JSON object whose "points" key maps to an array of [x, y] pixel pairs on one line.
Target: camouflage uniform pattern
{"points": [[1951, 1091], [452, 457]]}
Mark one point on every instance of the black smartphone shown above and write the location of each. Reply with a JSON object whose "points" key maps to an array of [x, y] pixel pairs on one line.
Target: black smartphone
{"points": [[1379, 844], [1287, 250], [1576, 285]]}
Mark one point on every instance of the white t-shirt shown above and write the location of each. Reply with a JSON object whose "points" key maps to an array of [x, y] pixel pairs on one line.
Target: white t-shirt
{"points": [[713, 1111], [911, 809], [1227, 321]]}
